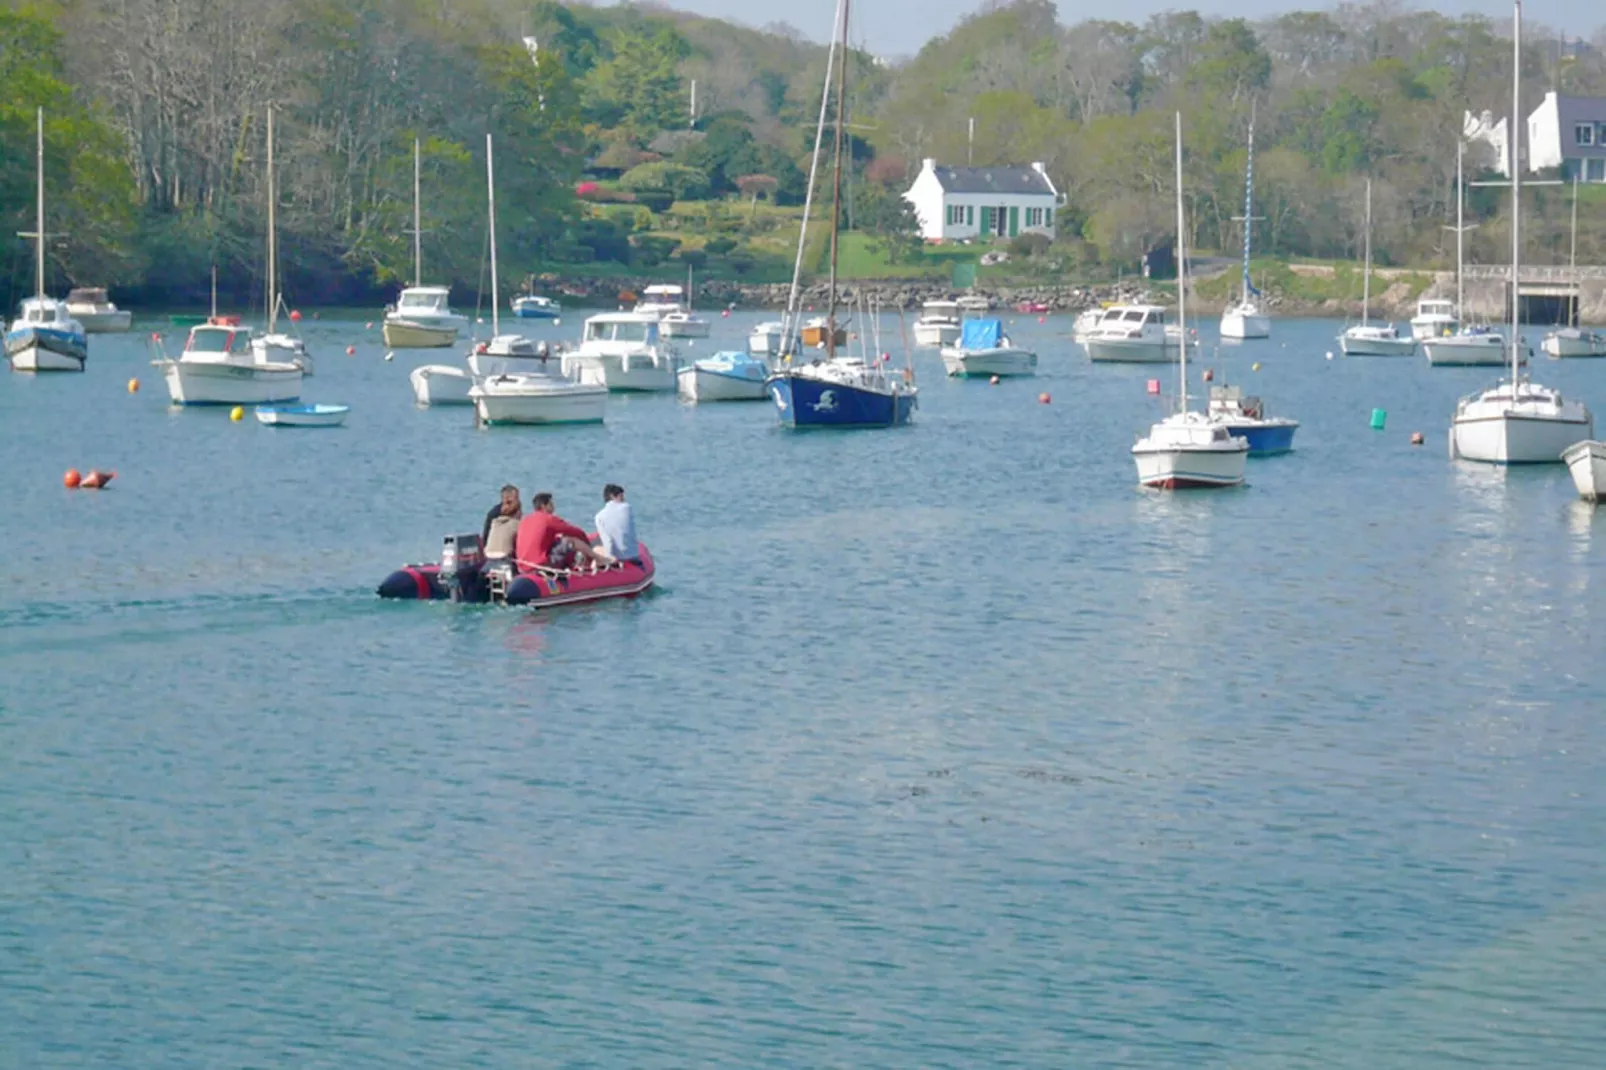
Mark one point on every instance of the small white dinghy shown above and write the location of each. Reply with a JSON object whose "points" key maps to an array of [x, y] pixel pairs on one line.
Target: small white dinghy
{"points": [[441, 384], [1587, 462], [302, 415]]}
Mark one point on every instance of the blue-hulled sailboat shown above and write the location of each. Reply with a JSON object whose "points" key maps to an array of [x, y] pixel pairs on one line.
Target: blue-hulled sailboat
{"points": [[838, 391]]}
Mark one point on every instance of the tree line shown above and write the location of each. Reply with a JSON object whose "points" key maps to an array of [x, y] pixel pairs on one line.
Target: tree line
{"points": [[156, 166]]}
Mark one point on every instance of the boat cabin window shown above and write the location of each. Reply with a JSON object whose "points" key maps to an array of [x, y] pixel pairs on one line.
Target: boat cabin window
{"points": [[1135, 315], [217, 340], [626, 331], [422, 302]]}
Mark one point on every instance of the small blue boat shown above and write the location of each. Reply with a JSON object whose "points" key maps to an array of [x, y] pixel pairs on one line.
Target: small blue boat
{"points": [[842, 393], [1246, 418], [302, 415], [535, 307]]}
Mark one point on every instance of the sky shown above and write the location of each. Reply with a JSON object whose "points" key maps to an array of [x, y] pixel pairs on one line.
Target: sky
{"points": [[897, 28]]}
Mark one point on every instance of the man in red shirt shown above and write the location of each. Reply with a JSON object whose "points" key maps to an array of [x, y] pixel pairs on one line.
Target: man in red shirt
{"points": [[548, 540]]}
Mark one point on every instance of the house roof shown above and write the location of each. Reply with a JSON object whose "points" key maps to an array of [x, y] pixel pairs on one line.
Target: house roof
{"points": [[1018, 180], [1570, 110]]}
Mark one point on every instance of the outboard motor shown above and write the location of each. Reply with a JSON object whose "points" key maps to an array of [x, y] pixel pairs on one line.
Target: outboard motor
{"points": [[463, 568]]}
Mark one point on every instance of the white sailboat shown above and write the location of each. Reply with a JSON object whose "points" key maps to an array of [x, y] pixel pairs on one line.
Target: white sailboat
{"points": [[44, 337], [1188, 449], [220, 364], [1367, 339], [274, 345], [1246, 319], [1572, 340], [533, 396], [423, 316], [1517, 421], [1470, 345]]}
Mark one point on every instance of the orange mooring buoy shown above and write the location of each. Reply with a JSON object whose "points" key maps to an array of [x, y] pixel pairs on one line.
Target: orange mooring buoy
{"points": [[97, 479], [71, 479], [1043, 398]]}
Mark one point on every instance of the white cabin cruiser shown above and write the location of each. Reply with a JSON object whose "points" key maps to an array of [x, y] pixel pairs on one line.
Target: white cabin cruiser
{"points": [[623, 351], [1469, 347], [219, 366], [422, 318], [660, 300], [513, 354], [938, 325], [1134, 334], [684, 324], [44, 338], [1434, 319], [984, 350], [90, 306]]}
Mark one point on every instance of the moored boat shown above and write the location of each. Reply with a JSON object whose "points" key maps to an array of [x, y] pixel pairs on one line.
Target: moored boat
{"points": [[938, 324], [1470, 347], [768, 339], [44, 337], [1134, 334], [1246, 319], [422, 317], [219, 366], [512, 354], [842, 392], [1574, 342], [1586, 461], [441, 384], [684, 324], [1246, 417], [817, 334], [623, 351], [1368, 339], [90, 306], [984, 350], [724, 377], [536, 307], [302, 415], [1434, 318]]}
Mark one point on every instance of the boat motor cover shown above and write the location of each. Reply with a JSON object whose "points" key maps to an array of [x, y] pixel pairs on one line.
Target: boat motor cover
{"points": [[981, 334]]}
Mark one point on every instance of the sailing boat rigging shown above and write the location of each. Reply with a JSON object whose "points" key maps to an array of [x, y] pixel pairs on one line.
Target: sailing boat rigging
{"points": [[1571, 340], [1477, 344], [840, 390], [1188, 449], [1517, 421], [273, 345], [1366, 339], [1246, 319], [44, 337], [422, 317]]}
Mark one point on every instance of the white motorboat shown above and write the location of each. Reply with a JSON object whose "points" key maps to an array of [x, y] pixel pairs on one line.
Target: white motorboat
{"points": [[1517, 421], [90, 306], [938, 324], [538, 393], [660, 300], [1434, 319], [1134, 334], [278, 346], [1574, 342], [1246, 416], [302, 415], [724, 377], [683, 325], [1476, 346], [1587, 463], [422, 317], [219, 366], [623, 351], [1087, 322], [44, 337], [441, 384], [512, 354], [538, 399], [1246, 319], [1368, 339], [984, 350], [769, 338], [536, 307], [1188, 449]]}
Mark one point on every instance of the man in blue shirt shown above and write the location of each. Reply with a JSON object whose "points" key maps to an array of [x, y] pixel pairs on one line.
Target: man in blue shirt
{"points": [[616, 526]]}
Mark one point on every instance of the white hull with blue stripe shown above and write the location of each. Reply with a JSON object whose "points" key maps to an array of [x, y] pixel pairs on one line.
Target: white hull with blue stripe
{"points": [[724, 377], [41, 349], [842, 393]]}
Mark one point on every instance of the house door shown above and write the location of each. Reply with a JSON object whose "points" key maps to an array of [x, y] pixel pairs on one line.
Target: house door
{"points": [[1014, 222], [986, 222]]}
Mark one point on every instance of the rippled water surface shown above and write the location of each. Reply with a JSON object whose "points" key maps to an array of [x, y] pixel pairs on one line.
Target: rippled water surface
{"points": [[944, 746]]}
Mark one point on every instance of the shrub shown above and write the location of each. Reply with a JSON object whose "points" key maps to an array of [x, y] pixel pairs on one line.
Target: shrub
{"points": [[1029, 245], [694, 258], [719, 246], [605, 238], [657, 200], [684, 183], [649, 250]]}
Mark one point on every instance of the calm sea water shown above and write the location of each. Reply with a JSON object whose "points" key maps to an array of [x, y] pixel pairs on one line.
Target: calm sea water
{"points": [[945, 746]]}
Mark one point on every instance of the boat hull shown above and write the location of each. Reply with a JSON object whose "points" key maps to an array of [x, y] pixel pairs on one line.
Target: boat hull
{"points": [[684, 328], [1516, 439], [804, 402], [441, 384], [766, 341], [1265, 437], [526, 311], [1586, 461], [302, 415], [985, 363], [103, 322], [400, 334], [641, 374], [1583, 344], [35, 349], [933, 335], [701, 384], [206, 383], [1175, 468], [1245, 325], [565, 403], [1377, 347], [536, 590], [1132, 351], [1457, 352]]}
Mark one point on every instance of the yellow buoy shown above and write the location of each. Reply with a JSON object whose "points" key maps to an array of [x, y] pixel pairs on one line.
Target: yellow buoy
{"points": [[133, 386], [1255, 367], [237, 413]]}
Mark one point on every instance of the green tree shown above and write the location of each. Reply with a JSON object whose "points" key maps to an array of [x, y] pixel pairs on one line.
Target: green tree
{"points": [[640, 83]]}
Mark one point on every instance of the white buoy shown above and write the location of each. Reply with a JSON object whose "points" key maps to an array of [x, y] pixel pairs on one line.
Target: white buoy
{"points": [[390, 356]]}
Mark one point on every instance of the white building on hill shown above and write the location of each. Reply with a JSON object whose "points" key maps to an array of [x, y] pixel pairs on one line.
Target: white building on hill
{"points": [[960, 203], [1563, 132]]}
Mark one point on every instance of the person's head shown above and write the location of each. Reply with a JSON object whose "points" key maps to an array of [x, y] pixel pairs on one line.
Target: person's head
{"points": [[510, 501], [613, 492], [543, 503]]}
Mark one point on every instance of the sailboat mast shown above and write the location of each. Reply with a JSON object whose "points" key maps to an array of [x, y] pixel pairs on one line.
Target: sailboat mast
{"points": [[418, 230], [1249, 198], [273, 234], [788, 322], [39, 208], [1460, 227], [836, 192], [490, 199], [1182, 283], [1366, 279], [214, 291], [1516, 182], [1572, 254]]}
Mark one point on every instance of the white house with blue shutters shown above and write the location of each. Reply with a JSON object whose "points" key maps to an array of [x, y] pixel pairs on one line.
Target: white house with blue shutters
{"points": [[983, 203]]}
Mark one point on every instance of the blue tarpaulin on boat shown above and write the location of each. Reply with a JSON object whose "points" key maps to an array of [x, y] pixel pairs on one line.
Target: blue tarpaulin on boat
{"points": [[981, 334]]}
